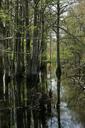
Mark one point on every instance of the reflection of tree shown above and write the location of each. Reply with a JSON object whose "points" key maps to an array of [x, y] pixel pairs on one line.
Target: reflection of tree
{"points": [[27, 109], [42, 113], [38, 107]]}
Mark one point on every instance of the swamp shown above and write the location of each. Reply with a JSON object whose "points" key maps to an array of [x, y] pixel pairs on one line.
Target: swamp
{"points": [[42, 63]]}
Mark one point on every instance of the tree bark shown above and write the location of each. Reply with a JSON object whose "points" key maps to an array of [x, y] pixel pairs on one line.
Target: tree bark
{"points": [[58, 70], [35, 59]]}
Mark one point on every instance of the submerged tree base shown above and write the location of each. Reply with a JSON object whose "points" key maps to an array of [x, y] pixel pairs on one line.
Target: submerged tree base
{"points": [[32, 79]]}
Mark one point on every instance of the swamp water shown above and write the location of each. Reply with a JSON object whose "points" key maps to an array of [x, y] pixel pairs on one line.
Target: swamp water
{"points": [[39, 111]]}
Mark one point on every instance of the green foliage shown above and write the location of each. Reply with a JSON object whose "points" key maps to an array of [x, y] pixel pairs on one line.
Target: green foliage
{"points": [[4, 16]]}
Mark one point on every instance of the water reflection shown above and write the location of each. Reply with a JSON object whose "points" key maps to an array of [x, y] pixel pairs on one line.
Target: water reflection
{"points": [[31, 107]]}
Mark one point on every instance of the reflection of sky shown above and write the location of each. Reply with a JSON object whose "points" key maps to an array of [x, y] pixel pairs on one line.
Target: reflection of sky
{"points": [[52, 123], [53, 87], [68, 117]]}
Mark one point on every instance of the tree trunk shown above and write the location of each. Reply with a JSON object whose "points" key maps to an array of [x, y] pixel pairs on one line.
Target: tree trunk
{"points": [[35, 61], [28, 59], [58, 70], [43, 53]]}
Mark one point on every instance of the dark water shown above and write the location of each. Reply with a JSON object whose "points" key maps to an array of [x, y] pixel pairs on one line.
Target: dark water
{"points": [[35, 108]]}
